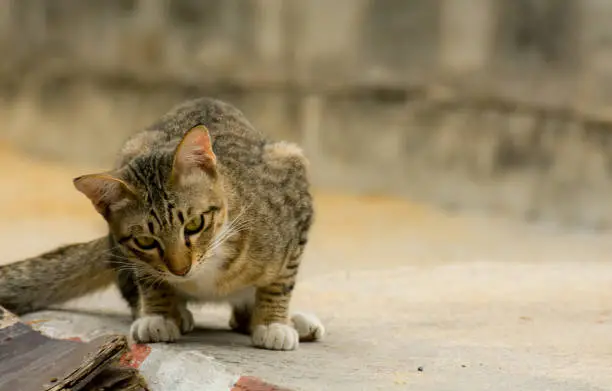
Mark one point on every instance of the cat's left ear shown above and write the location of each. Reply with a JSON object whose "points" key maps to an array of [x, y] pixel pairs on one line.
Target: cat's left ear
{"points": [[195, 152]]}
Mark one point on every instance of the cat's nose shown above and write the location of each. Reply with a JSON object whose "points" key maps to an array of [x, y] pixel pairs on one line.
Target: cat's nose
{"points": [[178, 266], [180, 271]]}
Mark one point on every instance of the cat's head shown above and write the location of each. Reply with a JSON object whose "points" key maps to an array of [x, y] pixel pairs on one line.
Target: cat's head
{"points": [[165, 208]]}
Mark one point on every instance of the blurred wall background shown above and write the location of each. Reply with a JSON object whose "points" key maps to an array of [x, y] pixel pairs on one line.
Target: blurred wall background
{"points": [[499, 105]]}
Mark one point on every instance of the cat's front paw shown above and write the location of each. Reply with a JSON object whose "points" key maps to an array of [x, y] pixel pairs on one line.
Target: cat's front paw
{"points": [[154, 328], [308, 326], [275, 336]]}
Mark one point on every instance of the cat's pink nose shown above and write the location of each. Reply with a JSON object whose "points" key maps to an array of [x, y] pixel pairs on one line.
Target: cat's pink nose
{"points": [[180, 271]]}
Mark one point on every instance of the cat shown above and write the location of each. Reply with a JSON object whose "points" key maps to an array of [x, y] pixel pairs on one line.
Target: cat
{"points": [[201, 207]]}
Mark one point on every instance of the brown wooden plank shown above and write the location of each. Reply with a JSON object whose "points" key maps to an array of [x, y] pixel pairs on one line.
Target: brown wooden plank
{"points": [[32, 361], [118, 378]]}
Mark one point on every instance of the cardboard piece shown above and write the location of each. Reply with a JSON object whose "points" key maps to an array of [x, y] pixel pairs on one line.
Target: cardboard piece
{"points": [[30, 361]]}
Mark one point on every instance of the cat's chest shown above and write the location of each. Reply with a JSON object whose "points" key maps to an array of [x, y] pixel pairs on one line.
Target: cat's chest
{"points": [[203, 284]]}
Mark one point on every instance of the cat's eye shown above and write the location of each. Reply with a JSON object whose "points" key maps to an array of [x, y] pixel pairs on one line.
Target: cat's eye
{"points": [[194, 225], [145, 242]]}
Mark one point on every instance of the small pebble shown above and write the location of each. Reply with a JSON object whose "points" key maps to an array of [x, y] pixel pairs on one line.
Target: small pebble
{"points": [[463, 365], [53, 379], [420, 369]]}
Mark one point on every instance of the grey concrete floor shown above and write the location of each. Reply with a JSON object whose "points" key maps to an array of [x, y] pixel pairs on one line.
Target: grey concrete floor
{"points": [[479, 303]]}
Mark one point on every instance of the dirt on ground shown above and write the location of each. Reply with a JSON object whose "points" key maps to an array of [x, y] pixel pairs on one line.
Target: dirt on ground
{"points": [[413, 297]]}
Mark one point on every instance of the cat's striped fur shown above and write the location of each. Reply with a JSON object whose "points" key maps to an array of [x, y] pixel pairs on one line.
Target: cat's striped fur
{"points": [[200, 206]]}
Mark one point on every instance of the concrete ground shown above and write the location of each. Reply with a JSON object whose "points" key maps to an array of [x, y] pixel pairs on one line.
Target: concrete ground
{"points": [[476, 303]]}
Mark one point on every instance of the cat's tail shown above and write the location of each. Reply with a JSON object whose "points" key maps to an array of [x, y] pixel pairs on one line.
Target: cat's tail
{"points": [[56, 276]]}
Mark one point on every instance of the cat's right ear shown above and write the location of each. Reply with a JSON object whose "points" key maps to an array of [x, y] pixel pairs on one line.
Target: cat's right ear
{"points": [[194, 154], [104, 191]]}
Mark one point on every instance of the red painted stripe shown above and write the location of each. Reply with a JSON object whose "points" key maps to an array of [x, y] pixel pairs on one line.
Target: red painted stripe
{"points": [[249, 383], [136, 356]]}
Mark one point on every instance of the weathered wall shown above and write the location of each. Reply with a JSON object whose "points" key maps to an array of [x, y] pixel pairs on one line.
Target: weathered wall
{"points": [[494, 104]]}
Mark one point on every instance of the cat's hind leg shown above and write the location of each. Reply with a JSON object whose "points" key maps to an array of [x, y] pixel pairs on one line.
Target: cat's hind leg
{"points": [[308, 326], [240, 322], [271, 325], [269, 304], [242, 304]]}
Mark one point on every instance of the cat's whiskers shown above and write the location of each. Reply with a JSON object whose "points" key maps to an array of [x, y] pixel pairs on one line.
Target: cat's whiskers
{"points": [[144, 270], [227, 230], [235, 225], [132, 264]]}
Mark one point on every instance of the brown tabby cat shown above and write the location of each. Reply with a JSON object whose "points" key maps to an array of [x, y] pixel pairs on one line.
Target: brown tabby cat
{"points": [[201, 206]]}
